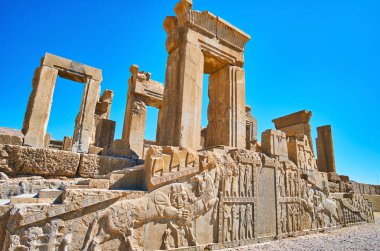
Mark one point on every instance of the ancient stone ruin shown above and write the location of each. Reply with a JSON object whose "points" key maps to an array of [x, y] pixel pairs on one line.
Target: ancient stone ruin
{"points": [[192, 188]]}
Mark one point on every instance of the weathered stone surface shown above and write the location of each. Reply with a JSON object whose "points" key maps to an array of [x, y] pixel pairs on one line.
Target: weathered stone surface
{"points": [[52, 61], [120, 148], [40, 101], [273, 143], [334, 177], [29, 185], [10, 136], [167, 164], [251, 130], [105, 133], [129, 178], [226, 111], [296, 124], [375, 199], [38, 110], [67, 143], [95, 165], [300, 152], [3, 176], [325, 150], [200, 43], [180, 199], [142, 92], [85, 121], [38, 161]]}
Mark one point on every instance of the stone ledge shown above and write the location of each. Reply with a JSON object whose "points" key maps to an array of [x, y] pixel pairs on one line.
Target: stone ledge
{"points": [[37, 161]]}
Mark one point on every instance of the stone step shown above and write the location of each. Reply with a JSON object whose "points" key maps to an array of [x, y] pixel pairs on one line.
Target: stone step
{"points": [[128, 178], [54, 194], [29, 198]]}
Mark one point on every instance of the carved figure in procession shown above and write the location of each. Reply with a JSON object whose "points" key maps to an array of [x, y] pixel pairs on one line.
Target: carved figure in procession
{"points": [[242, 185], [249, 221], [235, 181], [243, 222], [235, 222], [227, 225], [227, 182], [248, 181]]}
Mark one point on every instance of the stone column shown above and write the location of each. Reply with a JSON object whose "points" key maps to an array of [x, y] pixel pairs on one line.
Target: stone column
{"points": [[226, 111], [39, 105], [325, 150], [134, 124], [180, 121], [84, 123]]}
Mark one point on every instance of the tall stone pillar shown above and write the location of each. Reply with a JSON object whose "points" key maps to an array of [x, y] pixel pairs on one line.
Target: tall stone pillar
{"points": [[39, 105], [180, 121], [85, 121], [226, 110], [325, 150], [134, 124]]}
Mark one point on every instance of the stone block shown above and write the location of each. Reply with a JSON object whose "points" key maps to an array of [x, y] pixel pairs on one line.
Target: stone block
{"points": [[95, 165], [50, 193], [130, 178], [105, 132], [295, 124], [375, 199], [163, 165], [67, 142], [344, 178], [52, 61], [120, 148], [274, 144], [325, 150], [95, 150], [99, 183], [333, 177], [47, 140], [38, 161], [10, 136]]}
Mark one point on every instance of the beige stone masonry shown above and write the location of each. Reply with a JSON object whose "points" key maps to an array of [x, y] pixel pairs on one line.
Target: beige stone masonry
{"points": [[142, 92], [273, 143], [325, 149], [198, 43], [40, 100], [296, 124], [226, 111]]}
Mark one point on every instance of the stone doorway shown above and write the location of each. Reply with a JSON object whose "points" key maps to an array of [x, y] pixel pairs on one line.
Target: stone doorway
{"points": [[200, 43], [63, 113], [40, 101]]}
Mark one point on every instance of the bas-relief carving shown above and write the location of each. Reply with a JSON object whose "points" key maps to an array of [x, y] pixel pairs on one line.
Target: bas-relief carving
{"points": [[223, 199]]}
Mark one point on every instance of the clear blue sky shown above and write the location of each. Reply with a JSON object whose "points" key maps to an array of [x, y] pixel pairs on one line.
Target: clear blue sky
{"points": [[317, 55]]}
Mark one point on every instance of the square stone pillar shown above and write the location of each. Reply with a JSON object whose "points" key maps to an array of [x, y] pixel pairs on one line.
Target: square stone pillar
{"points": [[134, 124], [39, 105], [85, 122], [180, 121], [325, 150], [226, 110]]}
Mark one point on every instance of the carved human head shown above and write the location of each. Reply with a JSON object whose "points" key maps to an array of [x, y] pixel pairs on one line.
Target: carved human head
{"points": [[178, 196]]}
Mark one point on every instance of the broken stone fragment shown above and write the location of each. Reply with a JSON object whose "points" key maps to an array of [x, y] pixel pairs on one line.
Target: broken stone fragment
{"points": [[11, 136], [37, 161], [94, 165]]}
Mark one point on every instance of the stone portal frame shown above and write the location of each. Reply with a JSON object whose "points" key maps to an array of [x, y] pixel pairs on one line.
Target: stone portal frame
{"points": [[40, 100], [198, 43], [142, 92]]}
